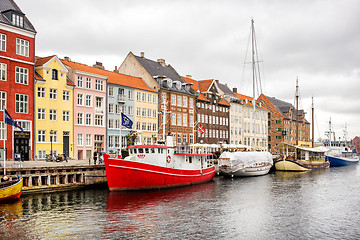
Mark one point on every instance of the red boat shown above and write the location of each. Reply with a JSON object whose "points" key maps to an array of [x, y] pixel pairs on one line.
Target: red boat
{"points": [[157, 166]]}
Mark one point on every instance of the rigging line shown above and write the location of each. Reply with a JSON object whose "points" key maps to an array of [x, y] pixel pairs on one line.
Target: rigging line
{"points": [[257, 60], [243, 81]]}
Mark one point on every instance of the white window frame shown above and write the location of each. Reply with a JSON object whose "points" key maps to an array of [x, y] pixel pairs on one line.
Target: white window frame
{"points": [[88, 100], [88, 119], [52, 114], [99, 85], [2, 100], [99, 120], [41, 114], [88, 83], [79, 81], [66, 95], [41, 136], [53, 93], [80, 118], [22, 47], [2, 42], [88, 140], [21, 75], [66, 116], [80, 139], [3, 71], [80, 99], [21, 103]]}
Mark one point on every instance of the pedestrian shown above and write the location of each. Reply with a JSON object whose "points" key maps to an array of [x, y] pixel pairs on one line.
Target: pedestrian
{"points": [[95, 157]]}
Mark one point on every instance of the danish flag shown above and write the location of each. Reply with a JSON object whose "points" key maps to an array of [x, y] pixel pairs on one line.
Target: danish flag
{"points": [[201, 129]]}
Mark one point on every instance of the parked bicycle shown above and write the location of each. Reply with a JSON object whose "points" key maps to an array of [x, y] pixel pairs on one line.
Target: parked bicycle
{"points": [[56, 158]]}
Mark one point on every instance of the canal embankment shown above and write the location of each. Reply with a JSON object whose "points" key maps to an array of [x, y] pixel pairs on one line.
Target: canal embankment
{"points": [[42, 176]]}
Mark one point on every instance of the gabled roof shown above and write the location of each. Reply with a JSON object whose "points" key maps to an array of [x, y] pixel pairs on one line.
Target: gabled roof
{"points": [[284, 107], [155, 69], [226, 90], [46, 60], [112, 77], [10, 5], [204, 85], [249, 100], [195, 86], [224, 102], [40, 61]]}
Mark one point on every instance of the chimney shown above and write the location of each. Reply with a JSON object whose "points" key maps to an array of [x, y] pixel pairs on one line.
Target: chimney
{"points": [[235, 90], [99, 65], [142, 54], [67, 58], [116, 70], [162, 62], [189, 76]]}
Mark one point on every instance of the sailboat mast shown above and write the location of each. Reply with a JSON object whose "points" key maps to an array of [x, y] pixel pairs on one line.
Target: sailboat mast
{"points": [[313, 122], [253, 73], [297, 107]]}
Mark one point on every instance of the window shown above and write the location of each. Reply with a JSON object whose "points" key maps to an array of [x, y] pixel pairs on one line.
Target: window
{"points": [[80, 139], [111, 142], [131, 94], [88, 101], [2, 131], [52, 93], [88, 119], [66, 95], [41, 136], [173, 99], [184, 137], [149, 112], [173, 119], [185, 119], [52, 114], [138, 111], [179, 101], [179, 119], [41, 154], [22, 47], [143, 126], [79, 81], [53, 137], [80, 118], [98, 120], [154, 99], [17, 20], [143, 97], [185, 100], [154, 113], [88, 140], [21, 103], [54, 74], [111, 91], [191, 120], [2, 42], [98, 102], [80, 97], [154, 127], [21, 75], [111, 123], [117, 109], [66, 116], [99, 85], [138, 96], [3, 71], [149, 98], [41, 113], [191, 103], [41, 92], [130, 110], [111, 108], [88, 83], [149, 127], [143, 112], [2, 100]]}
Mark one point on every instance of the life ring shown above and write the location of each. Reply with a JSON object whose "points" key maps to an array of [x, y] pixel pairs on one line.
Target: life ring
{"points": [[168, 159]]}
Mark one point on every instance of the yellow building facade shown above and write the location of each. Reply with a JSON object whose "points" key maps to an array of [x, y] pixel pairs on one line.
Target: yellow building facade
{"points": [[146, 116], [53, 109]]}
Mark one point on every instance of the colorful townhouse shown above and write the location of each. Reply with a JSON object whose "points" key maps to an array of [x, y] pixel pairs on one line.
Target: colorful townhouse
{"points": [[89, 108], [212, 112], [54, 107], [253, 124], [282, 123], [17, 59], [176, 97], [133, 98]]}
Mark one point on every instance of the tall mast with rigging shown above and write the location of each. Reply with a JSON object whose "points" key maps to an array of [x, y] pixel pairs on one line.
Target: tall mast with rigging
{"points": [[253, 78], [297, 111]]}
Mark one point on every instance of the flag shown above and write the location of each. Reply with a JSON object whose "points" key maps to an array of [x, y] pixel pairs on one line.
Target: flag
{"points": [[201, 129], [8, 120], [125, 121]]}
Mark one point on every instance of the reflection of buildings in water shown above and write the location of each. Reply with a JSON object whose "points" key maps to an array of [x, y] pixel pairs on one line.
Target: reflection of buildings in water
{"points": [[137, 213]]}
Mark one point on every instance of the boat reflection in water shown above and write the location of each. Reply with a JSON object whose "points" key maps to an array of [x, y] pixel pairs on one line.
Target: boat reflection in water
{"points": [[138, 214]]}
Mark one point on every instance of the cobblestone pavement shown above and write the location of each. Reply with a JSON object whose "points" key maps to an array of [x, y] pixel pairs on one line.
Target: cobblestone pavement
{"points": [[43, 163]]}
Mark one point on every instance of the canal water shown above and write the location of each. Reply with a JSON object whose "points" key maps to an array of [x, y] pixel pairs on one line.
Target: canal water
{"points": [[281, 205]]}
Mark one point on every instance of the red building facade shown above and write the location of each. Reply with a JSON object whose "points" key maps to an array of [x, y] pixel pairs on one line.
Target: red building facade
{"points": [[17, 59]]}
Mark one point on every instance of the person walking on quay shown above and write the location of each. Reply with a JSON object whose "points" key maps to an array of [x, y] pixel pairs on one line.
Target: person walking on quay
{"points": [[95, 157]]}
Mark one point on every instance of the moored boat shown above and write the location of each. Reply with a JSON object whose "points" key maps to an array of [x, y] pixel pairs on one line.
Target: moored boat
{"points": [[295, 158], [11, 190], [157, 166], [245, 164]]}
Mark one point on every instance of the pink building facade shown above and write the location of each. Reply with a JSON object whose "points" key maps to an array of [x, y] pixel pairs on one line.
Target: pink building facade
{"points": [[89, 110]]}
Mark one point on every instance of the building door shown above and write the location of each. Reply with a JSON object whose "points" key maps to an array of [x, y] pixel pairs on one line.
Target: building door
{"points": [[66, 144], [21, 145]]}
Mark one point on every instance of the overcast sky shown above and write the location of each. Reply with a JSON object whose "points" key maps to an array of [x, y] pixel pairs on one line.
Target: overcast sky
{"points": [[316, 41]]}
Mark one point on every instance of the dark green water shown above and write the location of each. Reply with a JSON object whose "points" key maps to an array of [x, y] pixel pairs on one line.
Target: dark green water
{"points": [[315, 205]]}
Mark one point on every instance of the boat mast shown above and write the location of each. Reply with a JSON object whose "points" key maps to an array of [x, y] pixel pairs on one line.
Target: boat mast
{"points": [[164, 119], [313, 122], [330, 132], [253, 76], [297, 106]]}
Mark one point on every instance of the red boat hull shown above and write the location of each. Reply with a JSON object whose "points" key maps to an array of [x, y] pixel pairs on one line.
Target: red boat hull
{"points": [[128, 175]]}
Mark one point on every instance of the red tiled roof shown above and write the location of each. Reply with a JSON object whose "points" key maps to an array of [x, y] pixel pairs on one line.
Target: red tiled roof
{"points": [[38, 76], [194, 85], [224, 102], [249, 102], [39, 61], [205, 84], [113, 77]]}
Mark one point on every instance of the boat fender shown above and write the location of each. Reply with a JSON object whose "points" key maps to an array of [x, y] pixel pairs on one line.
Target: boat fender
{"points": [[168, 159]]}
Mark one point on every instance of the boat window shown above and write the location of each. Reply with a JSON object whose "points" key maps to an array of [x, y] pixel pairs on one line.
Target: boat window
{"points": [[152, 150], [134, 150], [146, 150], [141, 150], [130, 151], [190, 159]]}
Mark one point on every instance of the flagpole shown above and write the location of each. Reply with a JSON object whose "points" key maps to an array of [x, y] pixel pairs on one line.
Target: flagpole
{"points": [[120, 126], [5, 125]]}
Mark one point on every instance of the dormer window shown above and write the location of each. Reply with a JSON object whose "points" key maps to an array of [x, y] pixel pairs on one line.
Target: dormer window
{"points": [[54, 74], [17, 20]]}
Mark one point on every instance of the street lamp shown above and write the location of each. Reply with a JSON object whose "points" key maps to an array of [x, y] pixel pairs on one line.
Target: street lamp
{"points": [[51, 139]]}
